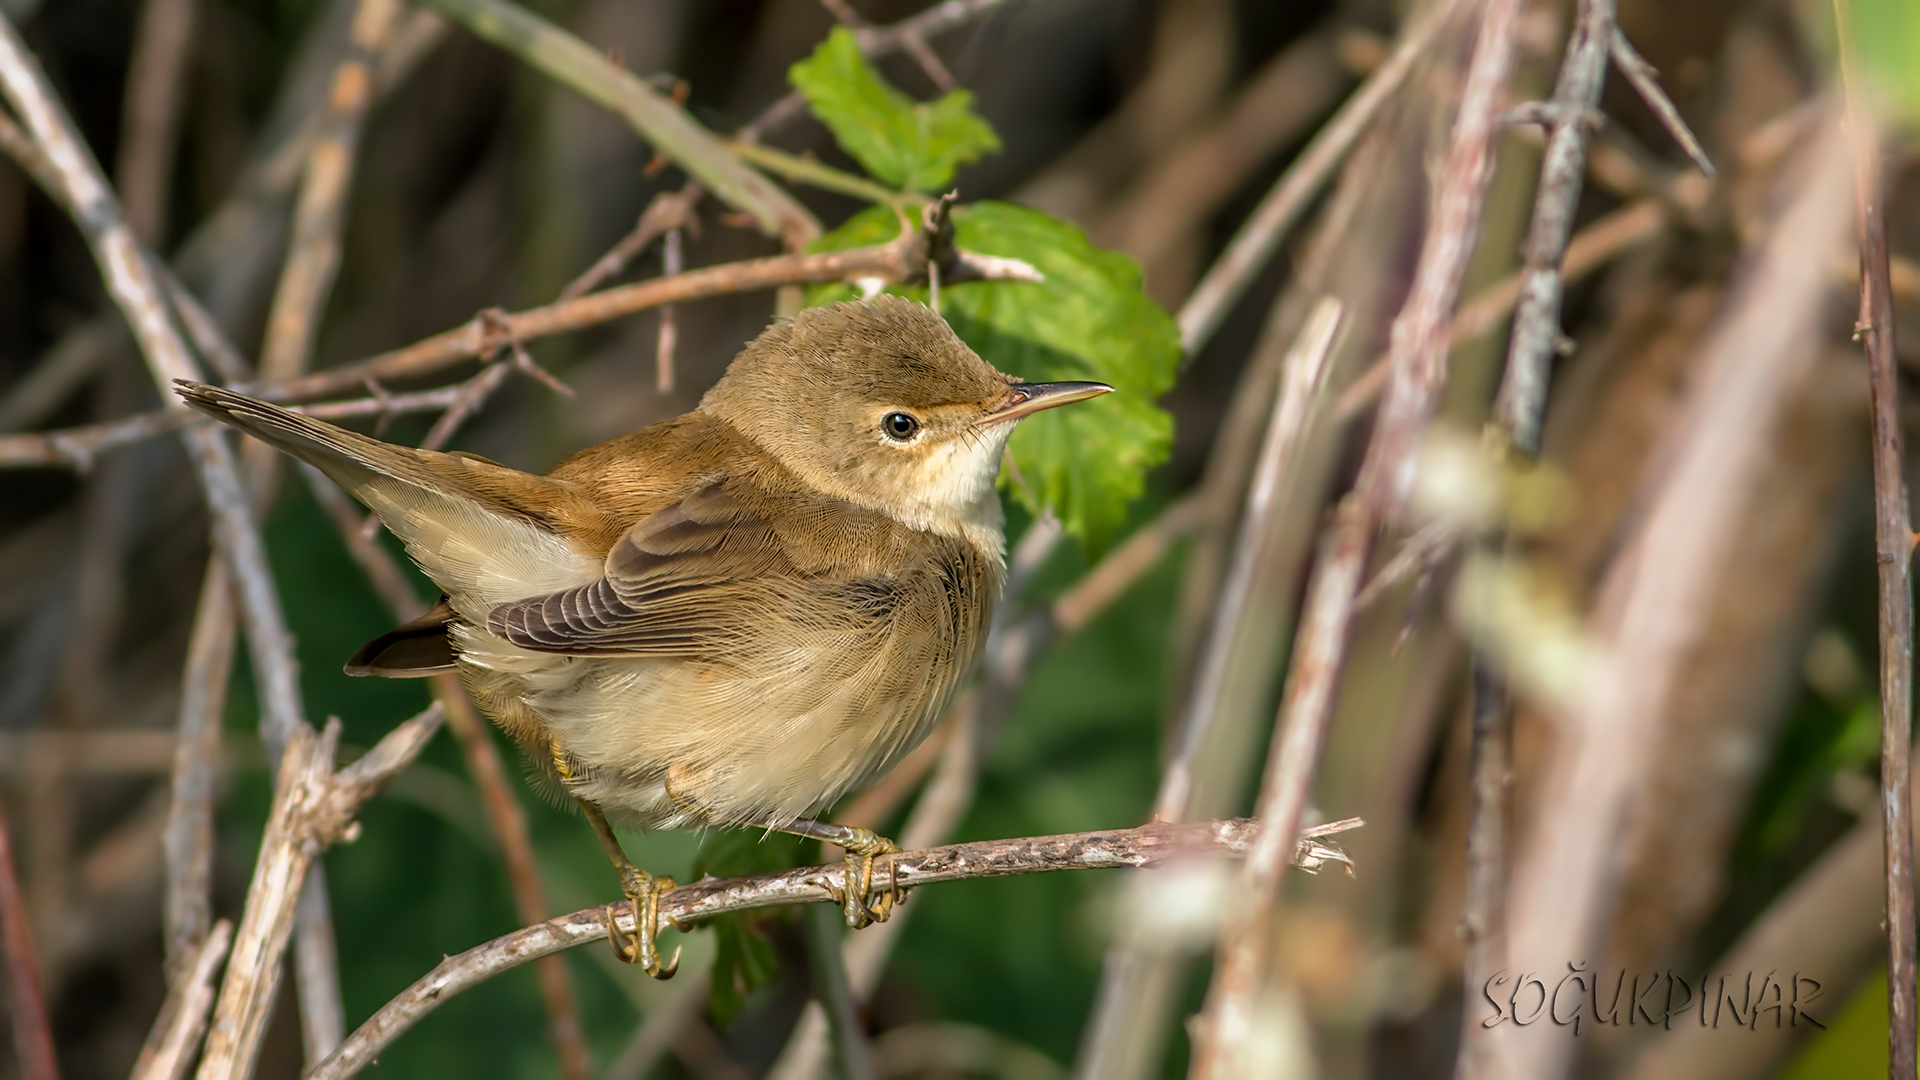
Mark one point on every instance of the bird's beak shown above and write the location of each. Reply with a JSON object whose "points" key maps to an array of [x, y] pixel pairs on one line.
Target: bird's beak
{"points": [[1031, 397]]}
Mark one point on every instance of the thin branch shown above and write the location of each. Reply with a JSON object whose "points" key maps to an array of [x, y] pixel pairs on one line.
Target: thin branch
{"points": [[1147, 845], [668, 211], [150, 116], [313, 255], [1420, 348], [32, 1039], [1893, 543], [77, 448], [1421, 336], [1303, 375], [170, 1047], [1593, 247], [813, 173], [875, 42], [901, 260], [313, 808], [1521, 402], [129, 280], [1263, 230], [1646, 81], [1651, 604], [1519, 412], [667, 127], [188, 910]]}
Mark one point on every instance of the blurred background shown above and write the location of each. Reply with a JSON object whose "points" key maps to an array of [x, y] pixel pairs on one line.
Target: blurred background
{"points": [[1155, 125]]}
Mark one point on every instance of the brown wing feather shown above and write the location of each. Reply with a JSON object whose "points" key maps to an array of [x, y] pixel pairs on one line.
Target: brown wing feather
{"points": [[686, 580], [413, 650]]}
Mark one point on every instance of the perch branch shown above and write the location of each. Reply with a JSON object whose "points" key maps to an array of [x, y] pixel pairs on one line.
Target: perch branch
{"points": [[1147, 845]]}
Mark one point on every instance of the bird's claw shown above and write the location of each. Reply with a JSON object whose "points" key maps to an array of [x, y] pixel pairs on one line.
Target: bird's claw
{"points": [[643, 891], [862, 846]]}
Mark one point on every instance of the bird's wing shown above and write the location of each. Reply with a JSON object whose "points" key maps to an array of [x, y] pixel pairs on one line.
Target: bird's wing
{"points": [[686, 580]]}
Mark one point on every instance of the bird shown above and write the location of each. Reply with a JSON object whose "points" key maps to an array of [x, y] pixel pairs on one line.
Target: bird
{"points": [[727, 619]]}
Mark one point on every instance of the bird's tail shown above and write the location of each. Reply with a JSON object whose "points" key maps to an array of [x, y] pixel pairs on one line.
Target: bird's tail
{"points": [[349, 458]]}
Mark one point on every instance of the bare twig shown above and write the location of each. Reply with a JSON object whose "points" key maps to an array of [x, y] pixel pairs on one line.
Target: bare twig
{"points": [[1186, 187], [150, 118], [313, 807], [901, 260], [574, 63], [1592, 247], [1650, 609], [1217, 721], [1303, 375], [1319, 654], [77, 448], [1421, 333], [877, 41], [1893, 544], [1420, 347], [188, 910], [668, 211], [1263, 230], [1519, 410], [313, 256], [1646, 81], [32, 1039], [1536, 321], [1145, 846], [183, 1019], [132, 286]]}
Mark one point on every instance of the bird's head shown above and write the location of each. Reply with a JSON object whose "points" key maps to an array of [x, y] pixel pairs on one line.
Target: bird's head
{"points": [[880, 403]]}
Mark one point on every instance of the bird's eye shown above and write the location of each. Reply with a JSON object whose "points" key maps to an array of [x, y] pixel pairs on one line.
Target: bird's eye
{"points": [[899, 426]]}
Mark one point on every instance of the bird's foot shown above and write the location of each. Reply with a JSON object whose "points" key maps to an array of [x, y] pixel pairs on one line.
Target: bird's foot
{"points": [[857, 899], [639, 947]]}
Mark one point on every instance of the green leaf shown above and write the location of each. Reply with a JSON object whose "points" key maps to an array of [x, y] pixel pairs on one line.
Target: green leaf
{"points": [[1887, 35], [744, 960], [898, 140], [1088, 320]]}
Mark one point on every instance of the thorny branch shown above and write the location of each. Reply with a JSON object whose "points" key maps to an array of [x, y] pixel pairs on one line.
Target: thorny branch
{"points": [[1519, 409], [1893, 544], [1147, 845], [1420, 347]]}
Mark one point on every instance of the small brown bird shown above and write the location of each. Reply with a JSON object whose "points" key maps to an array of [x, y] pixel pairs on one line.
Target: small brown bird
{"points": [[731, 618]]}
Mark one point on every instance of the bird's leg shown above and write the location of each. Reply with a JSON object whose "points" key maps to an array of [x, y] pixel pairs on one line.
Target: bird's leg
{"points": [[861, 846], [641, 889]]}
